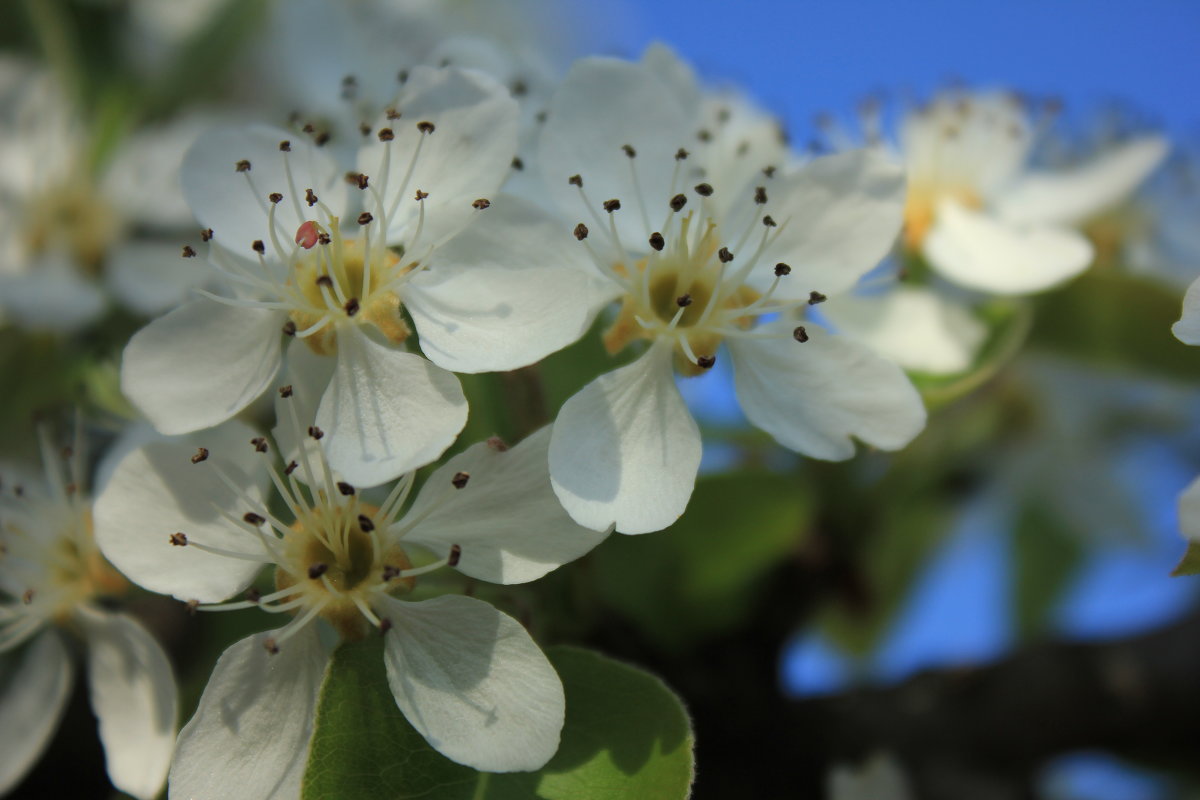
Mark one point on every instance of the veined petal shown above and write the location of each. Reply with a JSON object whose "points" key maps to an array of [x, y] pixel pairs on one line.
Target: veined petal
{"points": [[201, 363], [509, 523], [505, 293], [250, 736], [916, 327], [1187, 329], [473, 683], [1071, 196], [838, 217], [987, 254], [466, 157], [386, 411], [625, 449], [813, 396], [151, 277], [133, 696], [233, 202], [156, 491], [31, 705]]}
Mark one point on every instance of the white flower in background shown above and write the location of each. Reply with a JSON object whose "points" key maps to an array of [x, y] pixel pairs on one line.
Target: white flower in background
{"points": [[333, 267], [1189, 512], [470, 679], [688, 218], [880, 778], [1187, 329], [55, 577], [67, 226]]}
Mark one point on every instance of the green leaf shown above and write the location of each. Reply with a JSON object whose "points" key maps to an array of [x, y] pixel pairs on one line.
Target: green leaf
{"points": [[698, 577], [1190, 563], [626, 735], [1046, 553]]}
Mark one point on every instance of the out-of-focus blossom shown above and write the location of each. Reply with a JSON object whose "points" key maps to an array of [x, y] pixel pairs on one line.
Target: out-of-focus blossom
{"points": [[878, 779]]}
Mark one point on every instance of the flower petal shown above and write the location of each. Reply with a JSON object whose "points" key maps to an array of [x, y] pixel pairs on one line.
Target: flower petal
{"points": [[156, 491], [1071, 196], [916, 327], [838, 216], [498, 545], [250, 736], [1189, 511], [386, 411], [813, 396], [234, 203], [984, 253], [466, 157], [133, 696], [31, 705], [151, 277], [506, 293], [201, 364], [625, 449], [473, 683], [1187, 329]]}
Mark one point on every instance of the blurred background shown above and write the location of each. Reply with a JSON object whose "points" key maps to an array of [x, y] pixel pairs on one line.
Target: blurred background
{"points": [[993, 606]]}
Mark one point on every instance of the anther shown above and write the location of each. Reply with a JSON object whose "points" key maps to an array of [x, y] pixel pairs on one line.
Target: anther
{"points": [[481, 204], [27, 597], [289, 328], [259, 247], [206, 234], [325, 280], [760, 195], [324, 238], [365, 218], [612, 205], [402, 76], [285, 146], [769, 171], [681, 154], [678, 202], [725, 255], [704, 135], [800, 335], [243, 166], [365, 524], [308, 234], [192, 605], [385, 625], [460, 479], [317, 570], [290, 468], [315, 432], [252, 595], [517, 163], [275, 197], [576, 180], [285, 391], [393, 114], [386, 134], [782, 269], [310, 197], [390, 572], [308, 128], [253, 519], [260, 444], [178, 539], [540, 117], [769, 221], [519, 88], [706, 362], [321, 139], [815, 297], [581, 231], [657, 241], [352, 307], [683, 301], [425, 126], [201, 455], [421, 195], [497, 444], [629, 151], [704, 189], [188, 251], [271, 646], [455, 555], [345, 488]]}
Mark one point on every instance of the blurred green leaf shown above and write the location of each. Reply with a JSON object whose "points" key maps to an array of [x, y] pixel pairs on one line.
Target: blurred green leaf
{"points": [[1046, 553], [626, 735], [698, 577], [1190, 563]]}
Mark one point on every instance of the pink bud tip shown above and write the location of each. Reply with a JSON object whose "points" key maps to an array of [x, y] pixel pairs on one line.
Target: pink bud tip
{"points": [[307, 235]]}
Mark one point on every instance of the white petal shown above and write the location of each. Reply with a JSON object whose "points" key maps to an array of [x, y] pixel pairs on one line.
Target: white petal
{"points": [[150, 277], [473, 683], [386, 411], [507, 292], [1071, 196], [234, 204], [133, 696], [31, 705], [201, 364], [309, 376], [509, 523], [156, 491], [467, 157], [916, 327], [984, 253], [625, 449], [838, 216], [1187, 329], [250, 736], [813, 396], [1189, 511], [51, 295]]}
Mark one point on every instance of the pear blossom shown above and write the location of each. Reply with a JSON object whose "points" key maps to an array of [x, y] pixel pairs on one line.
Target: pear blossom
{"points": [[197, 524], [331, 261], [1187, 329], [691, 216], [56, 581]]}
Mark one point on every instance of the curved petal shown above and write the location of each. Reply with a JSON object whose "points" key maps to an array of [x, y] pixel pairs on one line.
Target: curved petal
{"points": [[156, 491], [51, 296], [1187, 329], [473, 683], [813, 397], [506, 293], [133, 696], [151, 277], [1071, 196], [507, 520], [1189, 511], [250, 736], [31, 705], [987, 254], [234, 203], [838, 217], [916, 327], [467, 155], [625, 449], [201, 364], [386, 411]]}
